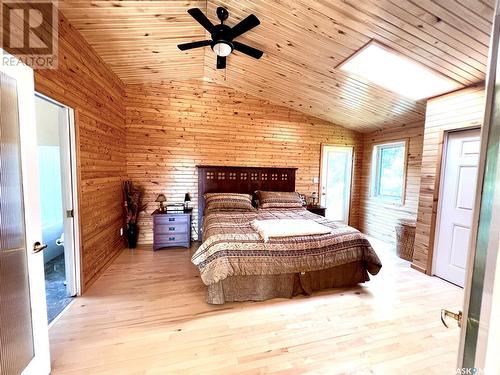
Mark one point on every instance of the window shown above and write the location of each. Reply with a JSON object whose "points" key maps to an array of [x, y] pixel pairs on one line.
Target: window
{"points": [[388, 171], [393, 71]]}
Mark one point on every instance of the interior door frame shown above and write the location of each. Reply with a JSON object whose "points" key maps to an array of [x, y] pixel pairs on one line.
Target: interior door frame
{"points": [[440, 182], [76, 289], [321, 175], [436, 195]]}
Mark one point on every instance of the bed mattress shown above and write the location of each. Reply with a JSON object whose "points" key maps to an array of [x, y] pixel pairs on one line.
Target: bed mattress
{"points": [[232, 247]]}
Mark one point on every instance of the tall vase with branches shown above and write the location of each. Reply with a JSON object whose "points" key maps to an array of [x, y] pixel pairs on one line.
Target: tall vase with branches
{"points": [[132, 207]]}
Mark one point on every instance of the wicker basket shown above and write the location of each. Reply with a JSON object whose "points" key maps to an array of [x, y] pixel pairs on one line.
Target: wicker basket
{"points": [[405, 238]]}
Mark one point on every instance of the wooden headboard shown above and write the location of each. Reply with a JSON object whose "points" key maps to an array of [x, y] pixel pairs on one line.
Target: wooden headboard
{"points": [[245, 180]]}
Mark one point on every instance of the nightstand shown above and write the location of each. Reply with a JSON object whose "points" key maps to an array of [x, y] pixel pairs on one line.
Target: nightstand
{"points": [[318, 210], [172, 228]]}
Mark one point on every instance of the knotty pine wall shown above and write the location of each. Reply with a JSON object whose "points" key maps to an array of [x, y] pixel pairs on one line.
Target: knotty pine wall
{"points": [[84, 83], [379, 218], [173, 126], [459, 110]]}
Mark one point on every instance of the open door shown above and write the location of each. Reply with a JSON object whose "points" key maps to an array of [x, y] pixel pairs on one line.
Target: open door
{"points": [[57, 181], [480, 338], [24, 344]]}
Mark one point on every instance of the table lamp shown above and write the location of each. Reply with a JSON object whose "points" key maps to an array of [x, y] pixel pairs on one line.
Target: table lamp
{"points": [[187, 199], [161, 199]]}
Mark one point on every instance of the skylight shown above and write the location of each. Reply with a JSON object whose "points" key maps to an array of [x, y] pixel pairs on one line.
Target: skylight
{"points": [[396, 73]]}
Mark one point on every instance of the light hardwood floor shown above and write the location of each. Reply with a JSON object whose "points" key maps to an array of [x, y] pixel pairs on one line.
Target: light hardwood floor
{"points": [[147, 315]]}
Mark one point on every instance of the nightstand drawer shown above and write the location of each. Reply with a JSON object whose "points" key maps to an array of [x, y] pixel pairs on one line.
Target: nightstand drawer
{"points": [[171, 219], [171, 239], [171, 228]]}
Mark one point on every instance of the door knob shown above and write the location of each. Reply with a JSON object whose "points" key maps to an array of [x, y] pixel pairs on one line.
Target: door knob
{"points": [[37, 247]]}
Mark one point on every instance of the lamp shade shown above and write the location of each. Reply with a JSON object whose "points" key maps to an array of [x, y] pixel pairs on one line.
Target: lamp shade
{"points": [[222, 48], [161, 198], [187, 197]]}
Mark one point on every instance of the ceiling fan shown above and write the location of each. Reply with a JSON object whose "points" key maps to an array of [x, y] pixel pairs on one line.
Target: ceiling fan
{"points": [[223, 36]]}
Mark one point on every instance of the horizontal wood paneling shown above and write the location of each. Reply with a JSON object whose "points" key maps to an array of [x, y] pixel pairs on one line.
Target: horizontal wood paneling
{"points": [[173, 126], [459, 110], [303, 43], [378, 218], [138, 39], [84, 83]]}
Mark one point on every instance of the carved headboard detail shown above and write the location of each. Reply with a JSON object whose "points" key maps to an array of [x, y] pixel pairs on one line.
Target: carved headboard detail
{"points": [[245, 180]]}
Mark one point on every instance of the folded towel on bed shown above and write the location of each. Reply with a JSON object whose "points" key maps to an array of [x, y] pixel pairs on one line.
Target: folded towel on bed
{"points": [[288, 228]]}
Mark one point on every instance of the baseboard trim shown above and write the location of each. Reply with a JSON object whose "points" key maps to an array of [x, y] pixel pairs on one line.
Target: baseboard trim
{"points": [[418, 268]]}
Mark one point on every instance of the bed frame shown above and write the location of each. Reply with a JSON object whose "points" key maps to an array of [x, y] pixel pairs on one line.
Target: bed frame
{"points": [[245, 180]]}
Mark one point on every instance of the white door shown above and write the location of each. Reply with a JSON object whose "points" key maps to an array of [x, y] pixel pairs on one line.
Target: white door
{"points": [[24, 344], [68, 193], [457, 197], [480, 335], [336, 171]]}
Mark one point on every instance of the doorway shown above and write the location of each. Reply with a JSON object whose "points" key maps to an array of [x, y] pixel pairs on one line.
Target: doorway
{"points": [[56, 163], [457, 197], [336, 173]]}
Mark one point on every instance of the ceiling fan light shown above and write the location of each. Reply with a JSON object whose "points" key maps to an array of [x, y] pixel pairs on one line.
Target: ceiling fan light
{"points": [[222, 48]]}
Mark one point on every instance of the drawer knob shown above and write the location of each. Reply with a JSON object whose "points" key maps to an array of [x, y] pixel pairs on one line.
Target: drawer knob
{"points": [[171, 228], [171, 219], [171, 238]]}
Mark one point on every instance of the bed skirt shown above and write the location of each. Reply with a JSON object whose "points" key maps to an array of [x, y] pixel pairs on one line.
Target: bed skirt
{"points": [[263, 287]]}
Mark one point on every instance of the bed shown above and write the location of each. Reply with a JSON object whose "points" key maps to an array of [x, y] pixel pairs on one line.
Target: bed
{"points": [[236, 263]]}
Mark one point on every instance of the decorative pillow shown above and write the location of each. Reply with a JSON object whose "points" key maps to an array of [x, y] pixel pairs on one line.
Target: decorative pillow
{"points": [[228, 202], [278, 199]]}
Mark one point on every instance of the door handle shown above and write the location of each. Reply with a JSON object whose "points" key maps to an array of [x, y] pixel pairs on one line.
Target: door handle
{"points": [[445, 313], [37, 247]]}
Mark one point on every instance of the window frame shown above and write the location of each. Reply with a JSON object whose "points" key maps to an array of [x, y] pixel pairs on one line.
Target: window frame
{"points": [[375, 175]]}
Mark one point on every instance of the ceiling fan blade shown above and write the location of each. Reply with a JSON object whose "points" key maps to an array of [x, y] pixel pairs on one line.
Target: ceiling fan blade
{"points": [[248, 23], [221, 62], [201, 43], [199, 16], [250, 51]]}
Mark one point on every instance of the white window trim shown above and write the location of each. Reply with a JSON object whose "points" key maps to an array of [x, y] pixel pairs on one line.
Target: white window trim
{"points": [[375, 175]]}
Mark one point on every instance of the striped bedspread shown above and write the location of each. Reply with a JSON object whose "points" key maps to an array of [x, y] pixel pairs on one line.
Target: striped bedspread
{"points": [[231, 246]]}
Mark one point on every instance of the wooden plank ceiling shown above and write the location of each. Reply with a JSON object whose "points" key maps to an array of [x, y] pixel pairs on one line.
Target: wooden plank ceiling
{"points": [[303, 41]]}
